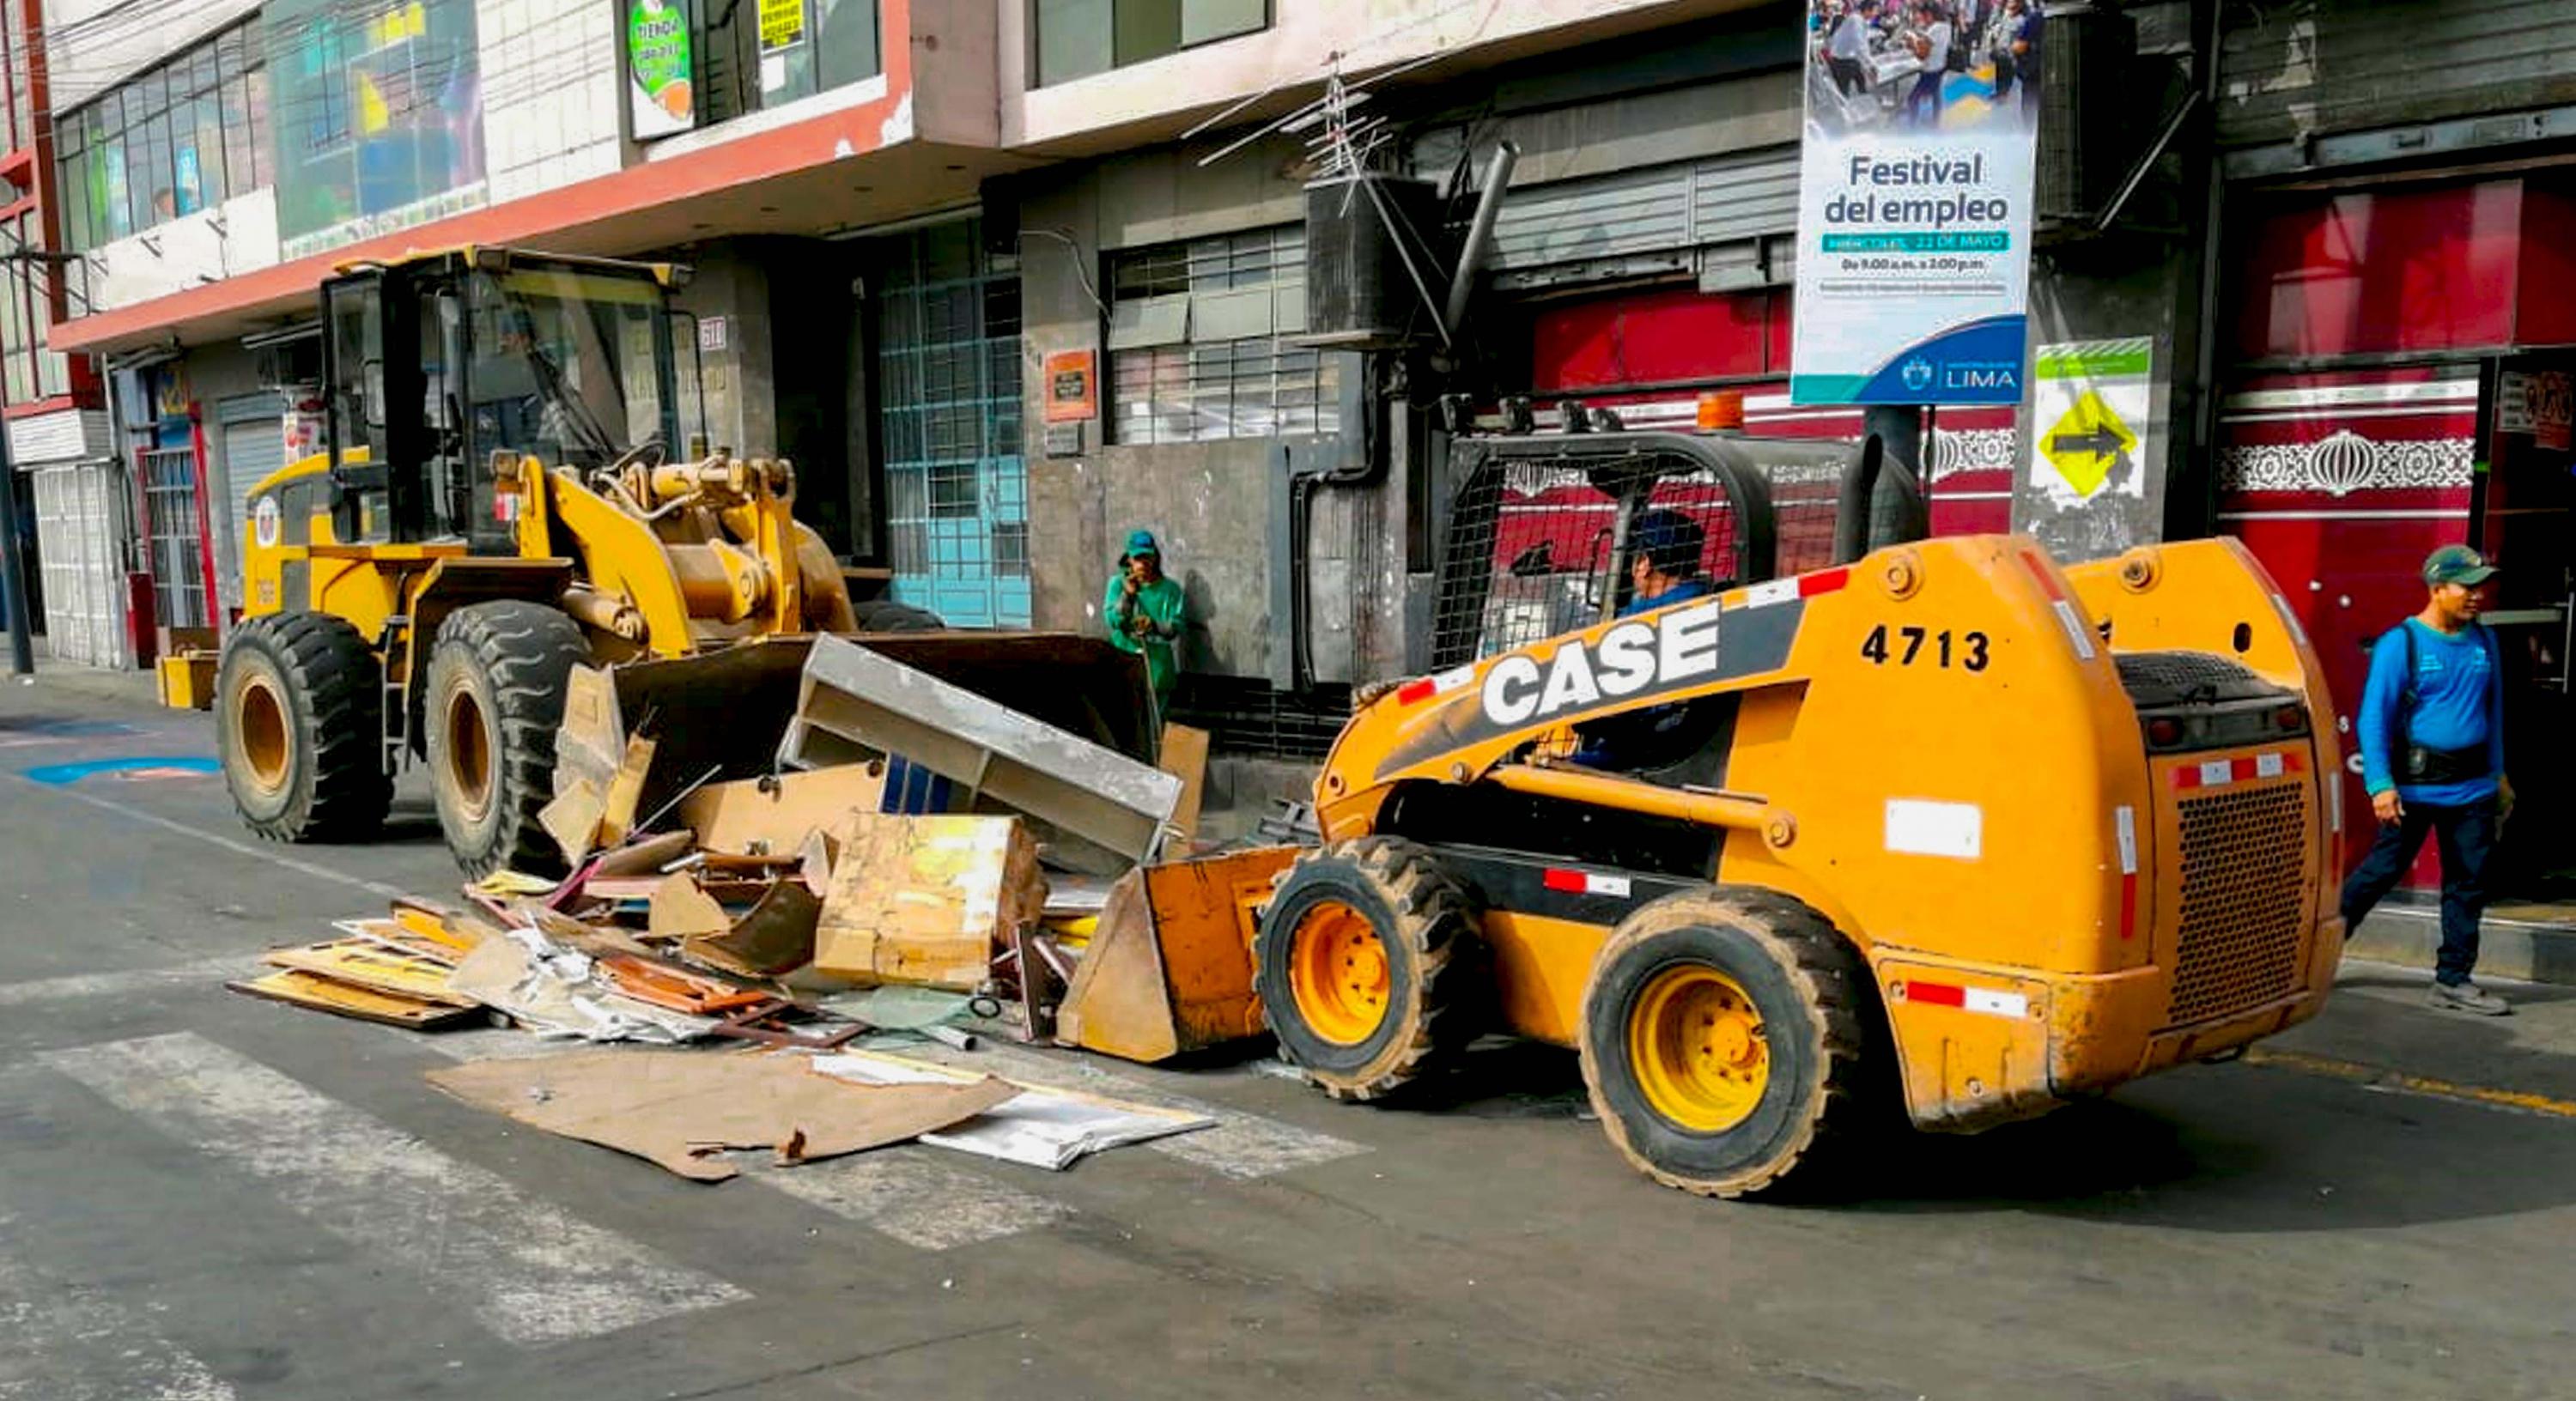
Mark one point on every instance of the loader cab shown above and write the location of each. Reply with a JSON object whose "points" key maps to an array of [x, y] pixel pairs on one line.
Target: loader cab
{"points": [[438, 368]]}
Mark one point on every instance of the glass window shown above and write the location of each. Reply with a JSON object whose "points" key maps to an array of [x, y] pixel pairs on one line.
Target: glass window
{"points": [[1077, 38], [845, 41], [180, 138], [564, 364], [1224, 369]]}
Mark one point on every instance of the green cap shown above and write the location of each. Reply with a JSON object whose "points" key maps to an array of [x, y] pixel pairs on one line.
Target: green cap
{"points": [[2457, 564], [1141, 542]]}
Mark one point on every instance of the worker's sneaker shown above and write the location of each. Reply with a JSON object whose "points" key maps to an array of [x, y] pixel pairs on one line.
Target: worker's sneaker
{"points": [[2469, 997]]}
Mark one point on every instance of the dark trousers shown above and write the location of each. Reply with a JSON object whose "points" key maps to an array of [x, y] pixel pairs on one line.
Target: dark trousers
{"points": [[1848, 76], [2467, 836], [1923, 105], [2003, 76]]}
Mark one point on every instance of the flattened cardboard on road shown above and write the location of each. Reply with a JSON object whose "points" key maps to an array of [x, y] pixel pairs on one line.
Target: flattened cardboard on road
{"points": [[677, 1109], [927, 900], [855, 705]]}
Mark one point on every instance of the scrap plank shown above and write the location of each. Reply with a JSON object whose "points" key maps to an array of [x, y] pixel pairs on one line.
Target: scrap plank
{"points": [[366, 964], [299, 988]]}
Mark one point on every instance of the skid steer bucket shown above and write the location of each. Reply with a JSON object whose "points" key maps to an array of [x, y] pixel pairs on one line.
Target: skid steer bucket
{"points": [[1169, 969]]}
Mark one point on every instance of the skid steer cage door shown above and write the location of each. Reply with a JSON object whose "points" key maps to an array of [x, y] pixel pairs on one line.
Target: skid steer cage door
{"points": [[1533, 531]]}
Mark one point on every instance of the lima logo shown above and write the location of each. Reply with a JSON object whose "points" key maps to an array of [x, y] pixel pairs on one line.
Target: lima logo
{"points": [[1917, 372]]}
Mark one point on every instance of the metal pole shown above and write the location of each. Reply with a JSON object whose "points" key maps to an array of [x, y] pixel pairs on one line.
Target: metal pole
{"points": [[1899, 428], [13, 593], [1480, 236]]}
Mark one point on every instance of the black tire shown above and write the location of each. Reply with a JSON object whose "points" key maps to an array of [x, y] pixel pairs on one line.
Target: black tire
{"points": [[299, 721], [494, 699], [1422, 924], [1814, 1000], [886, 615]]}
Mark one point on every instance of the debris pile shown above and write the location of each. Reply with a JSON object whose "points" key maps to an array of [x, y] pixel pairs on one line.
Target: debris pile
{"points": [[915, 855]]}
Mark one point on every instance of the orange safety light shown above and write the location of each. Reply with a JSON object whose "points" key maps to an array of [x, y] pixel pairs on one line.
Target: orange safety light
{"points": [[1720, 411]]}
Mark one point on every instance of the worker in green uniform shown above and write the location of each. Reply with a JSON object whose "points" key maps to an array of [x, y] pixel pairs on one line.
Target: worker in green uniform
{"points": [[1144, 612]]}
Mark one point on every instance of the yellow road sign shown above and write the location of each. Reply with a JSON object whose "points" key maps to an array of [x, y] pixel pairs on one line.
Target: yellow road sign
{"points": [[2085, 441]]}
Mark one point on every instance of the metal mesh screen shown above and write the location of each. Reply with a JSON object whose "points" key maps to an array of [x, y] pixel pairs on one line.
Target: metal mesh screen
{"points": [[2242, 854], [178, 555], [1249, 718]]}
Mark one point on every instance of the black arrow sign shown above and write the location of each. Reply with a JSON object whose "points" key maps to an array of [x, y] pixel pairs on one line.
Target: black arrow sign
{"points": [[2101, 442]]}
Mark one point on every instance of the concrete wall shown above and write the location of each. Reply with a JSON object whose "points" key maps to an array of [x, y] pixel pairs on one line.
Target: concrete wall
{"points": [[2090, 292], [742, 413], [552, 85], [237, 236], [1219, 507], [1296, 49], [92, 45]]}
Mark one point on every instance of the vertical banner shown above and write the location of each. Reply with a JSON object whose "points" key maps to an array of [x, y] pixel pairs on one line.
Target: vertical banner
{"points": [[661, 80], [1914, 202], [782, 30]]}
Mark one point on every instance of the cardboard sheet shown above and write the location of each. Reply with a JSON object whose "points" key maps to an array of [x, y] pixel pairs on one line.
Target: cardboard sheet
{"points": [[1046, 1128], [679, 1109]]}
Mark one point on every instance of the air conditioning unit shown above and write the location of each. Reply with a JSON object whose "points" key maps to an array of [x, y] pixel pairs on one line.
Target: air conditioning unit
{"points": [[1360, 232]]}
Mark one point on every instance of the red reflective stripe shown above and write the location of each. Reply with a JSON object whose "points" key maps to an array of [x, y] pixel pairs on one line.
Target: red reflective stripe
{"points": [[1413, 691], [1822, 581], [2038, 568], [2291, 762], [1568, 881], [1937, 994], [2129, 906]]}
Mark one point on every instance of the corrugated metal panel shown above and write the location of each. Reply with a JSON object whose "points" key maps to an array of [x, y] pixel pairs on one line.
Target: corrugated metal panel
{"points": [[2348, 65], [1654, 209]]}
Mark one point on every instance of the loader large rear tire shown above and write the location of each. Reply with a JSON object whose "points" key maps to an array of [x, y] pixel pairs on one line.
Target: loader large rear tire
{"points": [[1724, 1040], [299, 721], [495, 696], [1369, 966]]}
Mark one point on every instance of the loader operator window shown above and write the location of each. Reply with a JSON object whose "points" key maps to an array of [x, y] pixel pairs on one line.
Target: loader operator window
{"points": [[355, 310], [568, 366]]}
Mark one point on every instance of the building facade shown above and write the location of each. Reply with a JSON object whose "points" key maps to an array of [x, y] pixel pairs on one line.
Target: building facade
{"points": [[1011, 280]]}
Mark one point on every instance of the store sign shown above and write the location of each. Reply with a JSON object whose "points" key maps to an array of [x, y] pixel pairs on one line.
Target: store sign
{"points": [[2089, 402], [782, 28], [1914, 214], [661, 81], [2540, 404], [1073, 387]]}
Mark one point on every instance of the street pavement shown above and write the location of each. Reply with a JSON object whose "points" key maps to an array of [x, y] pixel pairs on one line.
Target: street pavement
{"points": [[204, 1197]]}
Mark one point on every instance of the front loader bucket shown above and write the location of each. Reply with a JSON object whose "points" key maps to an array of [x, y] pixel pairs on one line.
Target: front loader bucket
{"points": [[718, 715], [1169, 969]]}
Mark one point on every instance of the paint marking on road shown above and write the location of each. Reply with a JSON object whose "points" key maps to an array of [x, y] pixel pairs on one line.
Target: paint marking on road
{"points": [[909, 1194], [129, 982], [238, 848], [71, 1342], [530, 1272], [2381, 1078], [1241, 1146]]}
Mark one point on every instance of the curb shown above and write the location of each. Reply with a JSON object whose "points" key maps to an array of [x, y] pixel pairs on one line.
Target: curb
{"points": [[2525, 950], [128, 687]]}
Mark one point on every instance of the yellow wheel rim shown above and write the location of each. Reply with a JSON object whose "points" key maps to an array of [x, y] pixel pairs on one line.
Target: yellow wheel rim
{"points": [[1697, 1045], [469, 755], [260, 728], [1338, 970]]}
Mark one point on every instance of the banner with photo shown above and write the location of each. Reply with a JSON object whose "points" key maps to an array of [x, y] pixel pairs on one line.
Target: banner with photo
{"points": [[1914, 201]]}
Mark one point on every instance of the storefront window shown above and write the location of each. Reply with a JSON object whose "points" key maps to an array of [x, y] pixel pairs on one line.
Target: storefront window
{"points": [[179, 138], [383, 123], [760, 53], [1077, 38]]}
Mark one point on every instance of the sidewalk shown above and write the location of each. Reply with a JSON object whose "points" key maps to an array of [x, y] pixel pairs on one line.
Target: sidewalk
{"points": [[2530, 943], [67, 678]]}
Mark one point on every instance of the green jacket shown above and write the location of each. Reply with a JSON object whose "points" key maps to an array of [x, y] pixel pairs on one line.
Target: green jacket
{"points": [[1158, 607]]}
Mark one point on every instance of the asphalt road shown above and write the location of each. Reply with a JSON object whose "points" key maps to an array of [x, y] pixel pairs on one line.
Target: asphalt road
{"points": [[205, 1197]]}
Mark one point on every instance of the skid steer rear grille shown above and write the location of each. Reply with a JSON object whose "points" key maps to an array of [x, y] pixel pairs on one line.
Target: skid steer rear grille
{"points": [[2242, 860]]}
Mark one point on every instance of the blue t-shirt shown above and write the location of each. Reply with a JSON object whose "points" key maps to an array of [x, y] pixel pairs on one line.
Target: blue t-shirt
{"points": [[1683, 592], [2459, 704]]}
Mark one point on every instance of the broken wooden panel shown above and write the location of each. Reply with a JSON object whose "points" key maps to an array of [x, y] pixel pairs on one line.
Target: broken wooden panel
{"points": [[927, 900], [775, 936], [300, 988], [365, 963], [775, 816], [856, 704]]}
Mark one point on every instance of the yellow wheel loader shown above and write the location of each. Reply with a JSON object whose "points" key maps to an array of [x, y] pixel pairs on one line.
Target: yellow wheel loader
{"points": [[504, 495], [1941, 821]]}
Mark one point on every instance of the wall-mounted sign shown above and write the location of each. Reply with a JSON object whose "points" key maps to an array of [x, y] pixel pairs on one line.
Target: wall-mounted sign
{"points": [[661, 79], [1072, 386], [2089, 403], [782, 28], [2540, 403], [712, 333], [1914, 210]]}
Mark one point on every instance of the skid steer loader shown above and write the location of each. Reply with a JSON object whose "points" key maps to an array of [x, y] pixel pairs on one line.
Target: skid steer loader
{"points": [[504, 495], [1941, 820]]}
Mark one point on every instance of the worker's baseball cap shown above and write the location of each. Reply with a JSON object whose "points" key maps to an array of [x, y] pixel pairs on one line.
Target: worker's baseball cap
{"points": [[2457, 564], [1141, 542], [1669, 540]]}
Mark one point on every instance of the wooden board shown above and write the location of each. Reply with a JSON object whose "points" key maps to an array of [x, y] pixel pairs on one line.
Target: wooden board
{"points": [[927, 900], [365, 963], [299, 988], [776, 817], [1184, 756]]}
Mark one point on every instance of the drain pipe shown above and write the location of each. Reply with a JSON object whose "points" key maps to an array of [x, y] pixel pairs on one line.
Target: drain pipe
{"points": [[1480, 236]]}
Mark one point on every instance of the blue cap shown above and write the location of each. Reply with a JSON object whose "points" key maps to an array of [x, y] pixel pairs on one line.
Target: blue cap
{"points": [[1141, 542], [1669, 541]]}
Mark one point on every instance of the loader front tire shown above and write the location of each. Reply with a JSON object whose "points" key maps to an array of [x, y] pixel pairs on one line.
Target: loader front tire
{"points": [[299, 721], [1368, 963], [1724, 1040], [495, 696]]}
